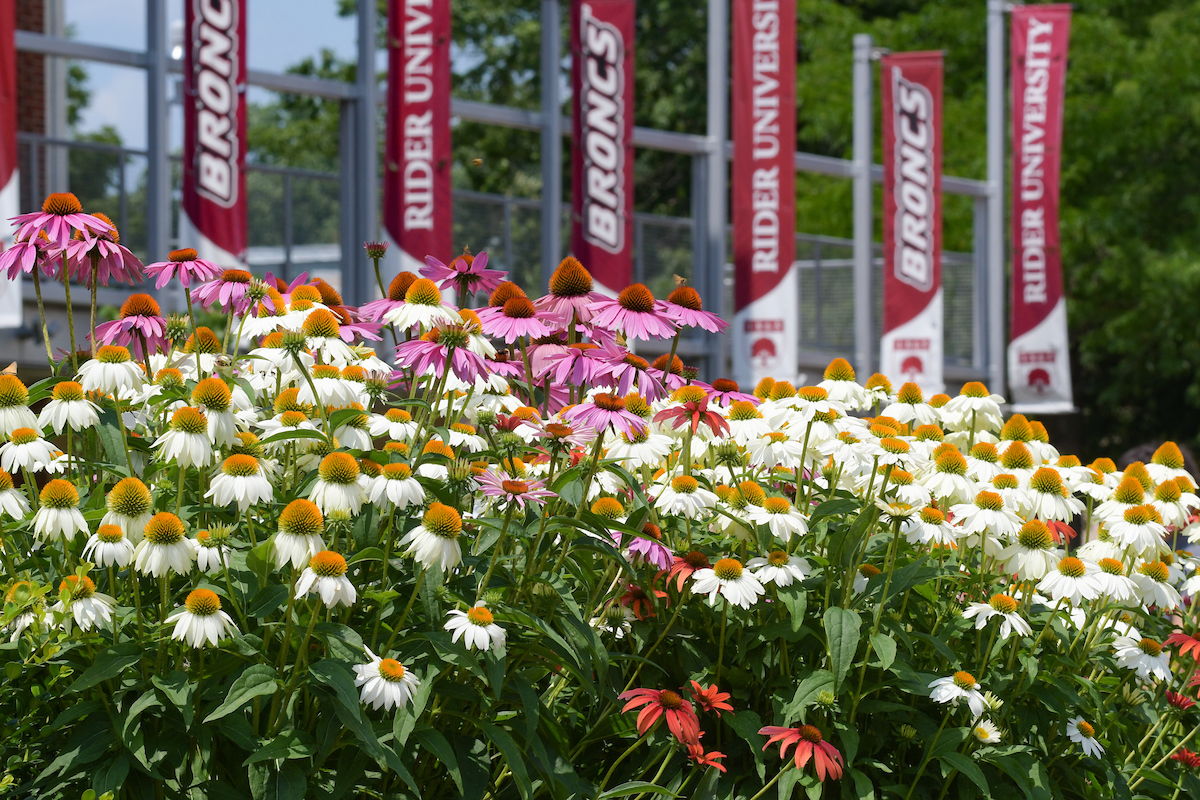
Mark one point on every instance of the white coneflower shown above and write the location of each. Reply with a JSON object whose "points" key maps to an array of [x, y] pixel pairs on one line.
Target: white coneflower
{"points": [[1128, 494], [1140, 529], [326, 575], [1146, 656], [22, 595], [25, 449], [959, 686], [929, 526], [69, 408], [289, 420], [164, 548], [186, 441], [890, 451], [340, 485], [1073, 580], [1008, 486], [331, 388], [948, 481], [841, 386], [782, 518], [240, 480], [476, 627], [986, 732], [775, 449], [1168, 502], [299, 536], [987, 513], [1154, 587], [59, 515], [463, 436], [637, 449], [975, 409], [89, 608], [1049, 499], [113, 371], [1032, 555], [130, 506], [212, 554], [322, 334], [213, 397], [1003, 607], [615, 619], [108, 547], [685, 496], [1114, 584], [422, 306], [397, 486], [1083, 734], [14, 406], [12, 502], [862, 577], [983, 462], [779, 568], [434, 542], [384, 682], [396, 424], [201, 620], [729, 579], [1192, 584]]}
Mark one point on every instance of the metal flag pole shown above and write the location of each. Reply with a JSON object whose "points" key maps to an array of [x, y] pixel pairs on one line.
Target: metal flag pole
{"points": [[158, 167], [864, 208], [366, 155], [551, 58], [995, 182], [717, 174]]}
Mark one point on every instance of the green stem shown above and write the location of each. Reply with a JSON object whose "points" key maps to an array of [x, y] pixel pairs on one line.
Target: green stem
{"points": [[412, 598], [95, 259], [496, 548], [66, 276], [928, 753], [37, 289]]}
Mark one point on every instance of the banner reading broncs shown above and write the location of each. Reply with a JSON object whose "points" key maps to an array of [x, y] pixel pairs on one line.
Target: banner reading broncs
{"points": [[602, 152], [766, 333], [10, 204], [214, 129], [417, 204], [1039, 365], [911, 91]]}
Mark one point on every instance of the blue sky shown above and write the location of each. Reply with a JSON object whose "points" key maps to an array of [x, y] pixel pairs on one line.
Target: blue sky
{"points": [[282, 32]]}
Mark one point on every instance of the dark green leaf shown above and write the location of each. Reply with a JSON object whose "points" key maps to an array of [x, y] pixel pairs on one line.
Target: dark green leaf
{"points": [[885, 647], [257, 681], [108, 664], [841, 632], [967, 767]]}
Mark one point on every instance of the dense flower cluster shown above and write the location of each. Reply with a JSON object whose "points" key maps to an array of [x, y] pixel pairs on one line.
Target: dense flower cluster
{"points": [[517, 555]]}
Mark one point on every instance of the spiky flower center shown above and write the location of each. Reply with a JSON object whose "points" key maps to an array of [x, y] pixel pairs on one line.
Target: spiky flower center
{"points": [[164, 529], [1168, 492], [301, 518], [685, 484], [986, 452], [397, 472], [443, 521], [398, 288], [964, 680], [687, 297], [911, 394], [478, 615], [778, 558], [59, 494], [608, 507], [1047, 480], [79, 587], [110, 534], [1168, 455], [113, 354], [1003, 604], [570, 279], [61, 204], [1017, 456], [895, 446], [753, 493], [1155, 570], [1129, 491], [695, 559], [672, 701], [1005, 481], [608, 402], [636, 297], [339, 468], [203, 341], [899, 477], [1138, 471], [240, 466], [189, 420], [1086, 729], [1034, 535], [23, 436], [974, 389], [391, 670], [212, 393], [782, 390], [203, 602], [839, 370], [328, 564], [140, 305], [1139, 515], [291, 419], [989, 500], [812, 394], [14, 394], [1111, 566], [321, 324], [809, 733], [952, 462], [1072, 567], [776, 505], [879, 381], [932, 516], [743, 410], [1150, 647], [1016, 429], [728, 569], [423, 292]]}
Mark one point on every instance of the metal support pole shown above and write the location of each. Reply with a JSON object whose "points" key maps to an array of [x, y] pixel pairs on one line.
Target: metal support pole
{"points": [[158, 168], [864, 208], [717, 174], [995, 179], [979, 258], [366, 153], [347, 194], [552, 153]]}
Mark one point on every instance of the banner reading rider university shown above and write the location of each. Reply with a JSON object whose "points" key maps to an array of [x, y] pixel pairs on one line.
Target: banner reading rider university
{"points": [[1039, 366], [214, 130], [10, 204], [602, 147], [911, 92], [765, 325], [417, 204]]}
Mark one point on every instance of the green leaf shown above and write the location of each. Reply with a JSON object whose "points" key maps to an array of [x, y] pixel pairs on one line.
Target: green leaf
{"points": [[885, 647], [267, 600], [287, 745], [108, 664], [257, 681], [109, 431], [287, 784], [438, 746], [636, 787], [337, 676], [841, 632], [806, 693], [795, 599], [967, 767], [512, 754]]}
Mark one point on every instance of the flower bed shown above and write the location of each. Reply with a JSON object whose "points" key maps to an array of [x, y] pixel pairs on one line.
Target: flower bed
{"points": [[527, 563]]}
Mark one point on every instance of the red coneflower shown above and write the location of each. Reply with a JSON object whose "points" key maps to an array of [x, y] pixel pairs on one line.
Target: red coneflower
{"points": [[639, 602], [656, 703], [710, 698], [1187, 644], [1180, 701], [684, 566], [809, 745], [702, 759], [1186, 758]]}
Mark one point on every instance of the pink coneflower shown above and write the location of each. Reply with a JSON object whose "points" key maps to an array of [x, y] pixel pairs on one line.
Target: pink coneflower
{"points": [[670, 375], [650, 549], [467, 274], [228, 291], [726, 392], [113, 259], [575, 365], [184, 264], [375, 310], [684, 307], [604, 410], [141, 325], [61, 215], [500, 364], [514, 490], [25, 254], [516, 319], [624, 371], [692, 411], [635, 313], [430, 353], [570, 292], [351, 327], [656, 703], [809, 745]]}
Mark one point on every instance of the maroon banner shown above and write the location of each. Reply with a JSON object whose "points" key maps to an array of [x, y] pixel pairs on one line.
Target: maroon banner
{"points": [[417, 204], [8, 109], [214, 127], [602, 146], [763, 192], [911, 92], [1038, 360]]}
